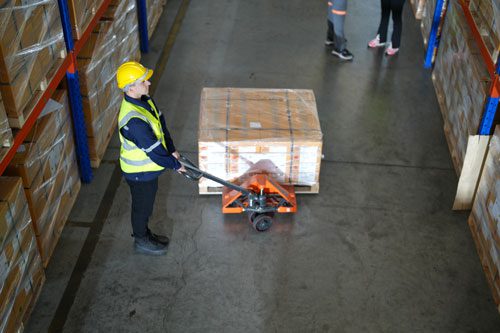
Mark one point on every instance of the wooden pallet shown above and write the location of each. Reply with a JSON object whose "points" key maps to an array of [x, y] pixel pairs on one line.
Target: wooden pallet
{"points": [[299, 189]]}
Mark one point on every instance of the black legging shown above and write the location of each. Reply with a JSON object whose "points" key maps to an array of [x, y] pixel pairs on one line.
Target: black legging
{"points": [[396, 7]]}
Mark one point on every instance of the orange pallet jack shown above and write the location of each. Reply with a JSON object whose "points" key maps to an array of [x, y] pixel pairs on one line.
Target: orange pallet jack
{"points": [[260, 196]]}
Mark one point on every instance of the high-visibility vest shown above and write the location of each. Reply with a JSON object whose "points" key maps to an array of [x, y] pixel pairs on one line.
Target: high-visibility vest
{"points": [[132, 158]]}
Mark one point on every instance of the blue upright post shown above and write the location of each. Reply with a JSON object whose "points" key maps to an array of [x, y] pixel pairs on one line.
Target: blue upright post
{"points": [[433, 36], [491, 107], [75, 99], [142, 16]]}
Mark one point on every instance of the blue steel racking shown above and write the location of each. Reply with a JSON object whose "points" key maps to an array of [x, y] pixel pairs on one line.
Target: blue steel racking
{"points": [[486, 126], [69, 68]]}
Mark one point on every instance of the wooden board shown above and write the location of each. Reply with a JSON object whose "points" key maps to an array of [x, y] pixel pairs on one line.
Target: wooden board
{"points": [[475, 156]]}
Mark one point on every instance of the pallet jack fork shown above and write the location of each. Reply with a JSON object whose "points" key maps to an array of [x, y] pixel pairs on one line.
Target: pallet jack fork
{"points": [[260, 195]]}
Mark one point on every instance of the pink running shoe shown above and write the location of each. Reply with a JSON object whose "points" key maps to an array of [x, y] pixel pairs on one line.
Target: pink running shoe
{"points": [[375, 42], [390, 51]]}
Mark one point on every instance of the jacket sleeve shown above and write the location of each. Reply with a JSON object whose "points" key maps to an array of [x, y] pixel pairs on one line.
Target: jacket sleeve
{"points": [[141, 134]]}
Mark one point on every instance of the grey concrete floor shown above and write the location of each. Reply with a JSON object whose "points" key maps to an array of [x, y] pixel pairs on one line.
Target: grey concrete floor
{"points": [[378, 250]]}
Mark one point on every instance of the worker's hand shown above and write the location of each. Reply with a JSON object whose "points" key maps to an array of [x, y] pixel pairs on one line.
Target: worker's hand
{"points": [[182, 169], [176, 154]]}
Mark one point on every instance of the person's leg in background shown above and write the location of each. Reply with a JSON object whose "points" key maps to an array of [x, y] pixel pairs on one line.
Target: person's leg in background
{"points": [[397, 19], [381, 37], [339, 11], [329, 34]]}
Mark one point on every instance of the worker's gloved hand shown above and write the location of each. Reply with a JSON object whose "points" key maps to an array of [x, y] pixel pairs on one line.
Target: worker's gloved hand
{"points": [[176, 154], [182, 169]]}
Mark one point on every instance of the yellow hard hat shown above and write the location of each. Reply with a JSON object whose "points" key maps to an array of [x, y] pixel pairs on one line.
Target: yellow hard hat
{"points": [[130, 72]]}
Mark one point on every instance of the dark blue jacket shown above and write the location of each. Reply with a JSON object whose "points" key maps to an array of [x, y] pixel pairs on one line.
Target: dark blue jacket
{"points": [[142, 135]]}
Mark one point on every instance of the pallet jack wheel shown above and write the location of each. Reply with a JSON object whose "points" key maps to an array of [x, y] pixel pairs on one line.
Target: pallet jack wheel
{"points": [[261, 222]]}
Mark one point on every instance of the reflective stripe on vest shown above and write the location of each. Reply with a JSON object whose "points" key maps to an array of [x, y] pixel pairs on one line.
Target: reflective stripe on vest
{"points": [[132, 158]]}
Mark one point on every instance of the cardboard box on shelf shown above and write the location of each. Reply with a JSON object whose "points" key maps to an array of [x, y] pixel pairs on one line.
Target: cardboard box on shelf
{"points": [[31, 49]]}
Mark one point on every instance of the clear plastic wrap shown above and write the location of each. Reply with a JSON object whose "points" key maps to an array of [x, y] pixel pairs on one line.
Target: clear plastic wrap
{"points": [[486, 15], [461, 81], [21, 272], [81, 13], [154, 10], [427, 17], [31, 49], [5, 131], [485, 216], [47, 164], [275, 131], [418, 8]]}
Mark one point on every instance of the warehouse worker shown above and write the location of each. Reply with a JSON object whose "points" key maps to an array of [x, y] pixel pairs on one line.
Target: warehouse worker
{"points": [[337, 10], [146, 151]]}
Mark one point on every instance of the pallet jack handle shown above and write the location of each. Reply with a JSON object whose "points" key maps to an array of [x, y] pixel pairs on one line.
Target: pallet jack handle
{"points": [[194, 173]]}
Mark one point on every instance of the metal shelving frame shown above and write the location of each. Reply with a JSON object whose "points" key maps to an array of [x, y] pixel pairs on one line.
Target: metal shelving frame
{"points": [[486, 126], [69, 69]]}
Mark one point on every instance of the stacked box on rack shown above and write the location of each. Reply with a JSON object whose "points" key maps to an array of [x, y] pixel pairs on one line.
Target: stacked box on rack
{"points": [[154, 9], [46, 161], [276, 131], [81, 13], [21, 270], [461, 81], [418, 7], [486, 15], [31, 50], [5, 131], [114, 41], [484, 220]]}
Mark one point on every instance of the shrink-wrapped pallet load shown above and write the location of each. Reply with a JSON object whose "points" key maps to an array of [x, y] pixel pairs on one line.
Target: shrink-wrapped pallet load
{"points": [[484, 220], [418, 7], [114, 40], [21, 270], [427, 17], [486, 15], [31, 50], [275, 131], [5, 131], [81, 13], [46, 162], [461, 81], [154, 10]]}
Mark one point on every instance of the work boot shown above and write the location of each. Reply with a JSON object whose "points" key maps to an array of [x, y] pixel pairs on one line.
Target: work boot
{"points": [[343, 54], [159, 238], [148, 245]]}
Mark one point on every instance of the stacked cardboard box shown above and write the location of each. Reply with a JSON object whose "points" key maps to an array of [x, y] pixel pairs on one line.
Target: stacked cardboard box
{"points": [[46, 161], [418, 8], [21, 271], [427, 17], [484, 220], [5, 131], [31, 50], [81, 13], [114, 41], [275, 131], [486, 14], [154, 9], [461, 81]]}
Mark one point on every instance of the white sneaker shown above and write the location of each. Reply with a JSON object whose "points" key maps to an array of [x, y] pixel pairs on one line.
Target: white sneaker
{"points": [[329, 42], [375, 42], [391, 51]]}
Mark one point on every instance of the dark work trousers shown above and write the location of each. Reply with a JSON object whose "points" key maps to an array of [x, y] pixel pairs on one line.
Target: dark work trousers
{"points": [[396, 8], [143, 199], [330, 34]]}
